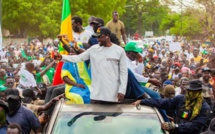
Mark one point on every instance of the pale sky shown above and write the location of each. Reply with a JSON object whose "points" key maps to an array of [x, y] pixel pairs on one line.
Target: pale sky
{"points": [[177, 6]]}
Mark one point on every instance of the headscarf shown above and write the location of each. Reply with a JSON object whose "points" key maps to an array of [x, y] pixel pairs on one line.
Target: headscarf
{"points": [[194, 100]]}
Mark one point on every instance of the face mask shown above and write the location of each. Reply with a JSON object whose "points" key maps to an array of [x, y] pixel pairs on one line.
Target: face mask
{"points": [[2, 117], [14, 105]]}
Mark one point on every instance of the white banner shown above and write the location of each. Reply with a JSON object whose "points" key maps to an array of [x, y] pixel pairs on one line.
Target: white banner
{"points": [[174, 46], [148, 33], [1, 42]]}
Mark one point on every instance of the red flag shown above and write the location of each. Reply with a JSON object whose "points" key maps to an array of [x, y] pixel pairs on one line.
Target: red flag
{"points": [[57, 78]]}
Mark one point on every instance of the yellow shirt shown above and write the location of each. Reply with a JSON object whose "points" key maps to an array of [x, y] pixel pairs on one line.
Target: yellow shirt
{"points": [[197, 59], [116, 27]]}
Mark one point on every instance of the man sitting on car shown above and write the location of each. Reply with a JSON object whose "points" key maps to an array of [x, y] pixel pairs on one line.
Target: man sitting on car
{"points": [[192, 111]]}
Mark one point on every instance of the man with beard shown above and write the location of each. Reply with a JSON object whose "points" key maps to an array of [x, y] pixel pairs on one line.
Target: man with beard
{"points": [[108, 68], [192, 112], [20, 114], [207, 90], [80, 34]]}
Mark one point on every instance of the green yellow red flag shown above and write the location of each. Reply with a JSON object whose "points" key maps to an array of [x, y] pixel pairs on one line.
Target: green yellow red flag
{"points": [[66, 28]]}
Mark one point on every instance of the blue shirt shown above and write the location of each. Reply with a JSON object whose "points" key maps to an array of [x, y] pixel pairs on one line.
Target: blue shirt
{"points": [[3, 129], [26, 119]]}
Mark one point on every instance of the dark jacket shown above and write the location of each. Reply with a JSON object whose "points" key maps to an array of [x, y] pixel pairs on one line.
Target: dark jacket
{"points": [[189, 127]]}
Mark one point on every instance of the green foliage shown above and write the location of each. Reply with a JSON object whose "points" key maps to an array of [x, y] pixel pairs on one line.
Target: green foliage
{"points": [[144, 15], [169, 21], [43, 17], [186, 24]]}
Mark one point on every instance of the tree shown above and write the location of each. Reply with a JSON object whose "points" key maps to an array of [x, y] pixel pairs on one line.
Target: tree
{"points": [[43, 18], [207, 19], [186, 24], [144, 15], [20, 15]]}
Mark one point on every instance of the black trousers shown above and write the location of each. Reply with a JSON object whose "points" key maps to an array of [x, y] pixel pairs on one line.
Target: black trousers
{"points": [[51, 93]]}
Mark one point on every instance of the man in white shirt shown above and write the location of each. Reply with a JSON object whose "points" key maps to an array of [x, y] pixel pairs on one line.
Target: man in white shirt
{"points": [[132, 51], [80, 34], [108, 68], [27, 80]]}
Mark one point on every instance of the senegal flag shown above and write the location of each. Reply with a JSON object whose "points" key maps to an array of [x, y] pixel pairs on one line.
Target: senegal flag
{"points": [[66, 28]]}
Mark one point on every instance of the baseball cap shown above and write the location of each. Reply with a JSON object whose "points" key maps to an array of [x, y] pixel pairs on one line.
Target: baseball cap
{"points": [[192, 67], [132, 47], [102, 30], [177, 64], [167, 82], [206, 69], [41, 86], [12, 94], [98, 21]]}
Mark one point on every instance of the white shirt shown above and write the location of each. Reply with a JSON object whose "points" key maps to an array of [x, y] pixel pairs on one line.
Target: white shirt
{"points": [[108, 69], [36, 62], [82, 37], [189, 56], [89, 28], [27, 79], [2, 54], [177, 91], [135, 69]]}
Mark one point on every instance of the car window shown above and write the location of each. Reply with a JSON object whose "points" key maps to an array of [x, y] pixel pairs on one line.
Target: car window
{"points": [[107, 123]]}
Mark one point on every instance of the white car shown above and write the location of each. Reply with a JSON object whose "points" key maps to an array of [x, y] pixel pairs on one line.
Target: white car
{"points": [[104, 119]]}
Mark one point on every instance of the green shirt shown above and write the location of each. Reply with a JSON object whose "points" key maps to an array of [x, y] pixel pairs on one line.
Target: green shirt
{"points": [[2, 82], [50, 73], [2, 88], [38, 78]]}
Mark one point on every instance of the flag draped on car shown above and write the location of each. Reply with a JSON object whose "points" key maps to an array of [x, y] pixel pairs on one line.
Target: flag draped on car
{"points": [[77, 72], [66, 28]]}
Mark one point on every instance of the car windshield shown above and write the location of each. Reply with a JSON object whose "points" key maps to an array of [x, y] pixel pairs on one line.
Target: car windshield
{"points": [[107, 123]]}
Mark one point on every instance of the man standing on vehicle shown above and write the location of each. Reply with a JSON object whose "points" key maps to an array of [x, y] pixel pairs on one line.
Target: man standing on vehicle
{"points": [[108, 68], [117, 27], [192, 112]]}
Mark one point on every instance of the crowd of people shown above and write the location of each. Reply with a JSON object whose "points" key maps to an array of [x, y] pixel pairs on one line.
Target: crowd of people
{"points": [[99, 69]]}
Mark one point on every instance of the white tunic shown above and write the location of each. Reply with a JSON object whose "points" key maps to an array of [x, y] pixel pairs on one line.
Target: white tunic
{"points": [[108, 68]]}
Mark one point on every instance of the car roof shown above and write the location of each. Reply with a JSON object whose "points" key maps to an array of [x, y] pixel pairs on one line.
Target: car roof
{"points": [[64, 106], [106, 108]]}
